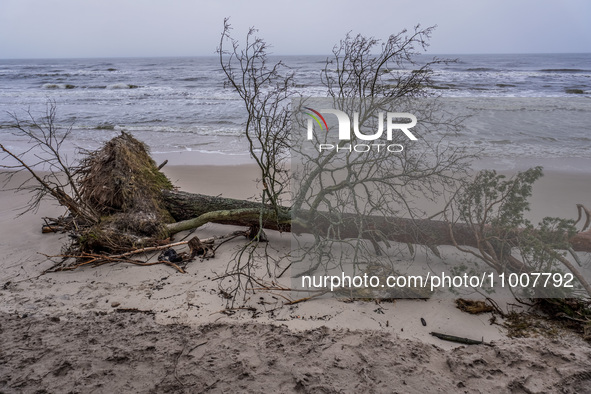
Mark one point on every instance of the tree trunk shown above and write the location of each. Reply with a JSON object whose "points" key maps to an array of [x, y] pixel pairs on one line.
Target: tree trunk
{"points": [[188, 207], [197, 209]]}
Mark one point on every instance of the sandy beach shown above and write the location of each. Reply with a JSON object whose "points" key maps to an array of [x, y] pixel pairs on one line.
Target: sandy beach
{"points": [[365, 253], [125, 328]]}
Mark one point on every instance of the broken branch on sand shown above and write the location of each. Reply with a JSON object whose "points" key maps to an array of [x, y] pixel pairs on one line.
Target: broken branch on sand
{"points": [[453, 338], [197, 246]]}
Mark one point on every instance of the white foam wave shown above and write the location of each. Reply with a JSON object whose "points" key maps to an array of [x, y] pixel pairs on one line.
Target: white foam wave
{"points": [[122, 86]]}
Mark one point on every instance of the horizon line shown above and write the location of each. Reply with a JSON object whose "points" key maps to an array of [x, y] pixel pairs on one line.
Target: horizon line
{"points": [[285, 55]]}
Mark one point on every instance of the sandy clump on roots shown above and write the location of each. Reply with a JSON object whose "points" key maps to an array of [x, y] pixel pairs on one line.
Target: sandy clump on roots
{"points": [[123, 184]]}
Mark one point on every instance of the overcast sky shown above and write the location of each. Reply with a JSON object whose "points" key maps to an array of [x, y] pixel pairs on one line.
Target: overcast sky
{"points": [[131, 28]]}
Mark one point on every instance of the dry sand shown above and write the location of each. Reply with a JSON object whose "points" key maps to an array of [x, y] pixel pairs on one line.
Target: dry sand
{"points": [[75, 331]]}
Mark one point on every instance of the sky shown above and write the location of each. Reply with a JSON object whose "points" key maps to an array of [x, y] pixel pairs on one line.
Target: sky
{"points": [[144, 28]]}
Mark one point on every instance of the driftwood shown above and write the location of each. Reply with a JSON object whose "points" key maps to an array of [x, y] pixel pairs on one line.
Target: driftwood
{"points": [[453, 338]]}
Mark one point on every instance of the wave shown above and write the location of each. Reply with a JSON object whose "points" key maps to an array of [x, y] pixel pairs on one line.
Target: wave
{"points": [[193, 79], [71, 86], [574, 91], [564, 70], [105, 126], [58, 86], [14, 75], [481, 69], [122, 86]]}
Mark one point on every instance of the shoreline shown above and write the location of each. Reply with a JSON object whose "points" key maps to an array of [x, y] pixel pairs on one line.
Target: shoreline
{"points": [[194, 158], [579, 165], [551, 165]]}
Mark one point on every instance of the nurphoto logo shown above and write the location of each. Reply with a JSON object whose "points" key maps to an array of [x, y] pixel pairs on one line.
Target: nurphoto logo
{"points": [[393, 123]]}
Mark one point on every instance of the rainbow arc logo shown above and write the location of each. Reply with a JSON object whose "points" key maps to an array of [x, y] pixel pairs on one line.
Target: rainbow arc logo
{"points": [[315, 115]]}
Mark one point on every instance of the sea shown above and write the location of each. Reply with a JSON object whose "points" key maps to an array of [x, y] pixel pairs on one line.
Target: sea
{"points": [[182, 104]]}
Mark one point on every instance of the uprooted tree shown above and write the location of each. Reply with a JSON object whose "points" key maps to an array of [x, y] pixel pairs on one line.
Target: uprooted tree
{"points": [[129, 204], [119, 202]]}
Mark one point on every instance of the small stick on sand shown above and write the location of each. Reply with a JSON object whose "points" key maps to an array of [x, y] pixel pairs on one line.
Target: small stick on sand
{"points": [[465, 341]]}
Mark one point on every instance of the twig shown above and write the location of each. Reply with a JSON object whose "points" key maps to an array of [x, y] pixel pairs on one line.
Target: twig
{"points": [[564, 315], [248, 308], [162, 164], [321, 293], [134, 310], [572, 269], [581, 207], [575, 255], [176, 365], [286, 268], [452, 338], [496, 307], [196, 346]]}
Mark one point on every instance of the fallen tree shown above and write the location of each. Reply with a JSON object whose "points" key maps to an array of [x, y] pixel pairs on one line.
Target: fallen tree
{"points": [[195, 210], [119, 201], [192, 210], [139, 207], [134, 206]]}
